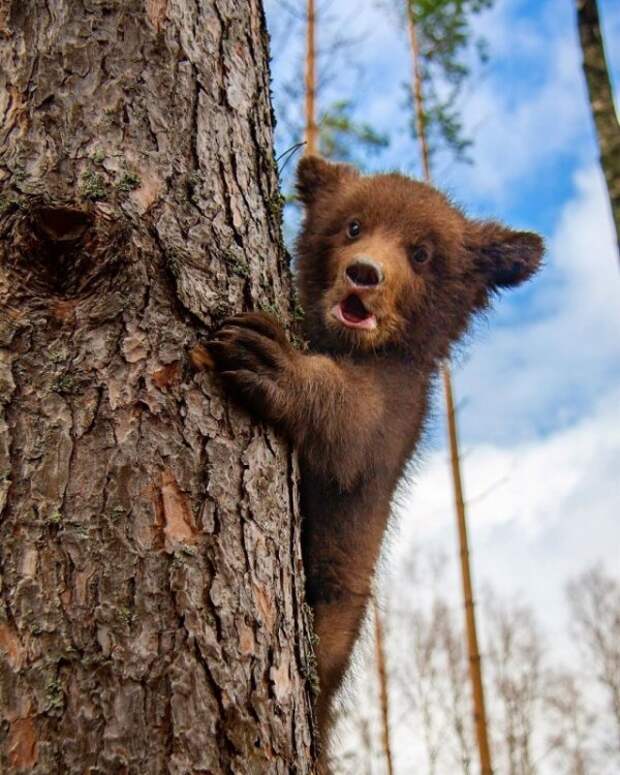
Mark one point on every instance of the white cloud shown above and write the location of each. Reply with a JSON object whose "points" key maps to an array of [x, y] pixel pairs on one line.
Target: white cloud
{"points": [[529, 111], [556, 355], [533, 488], [526, 112], [541, 427], [541, 376], [541, 388]]}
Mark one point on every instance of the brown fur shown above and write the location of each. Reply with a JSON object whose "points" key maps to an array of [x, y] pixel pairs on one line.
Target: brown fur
{"points": [[355, 405]]}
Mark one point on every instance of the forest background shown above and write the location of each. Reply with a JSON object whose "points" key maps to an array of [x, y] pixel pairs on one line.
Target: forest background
{"points": [[538, 385]]}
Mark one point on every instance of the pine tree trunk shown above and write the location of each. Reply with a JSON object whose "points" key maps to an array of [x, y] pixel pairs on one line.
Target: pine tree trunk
{"points": [[151, 616], [601, 102]]}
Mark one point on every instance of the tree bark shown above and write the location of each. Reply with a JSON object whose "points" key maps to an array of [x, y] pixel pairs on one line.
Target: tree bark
{"points": [[151, 589], [601, 102]]}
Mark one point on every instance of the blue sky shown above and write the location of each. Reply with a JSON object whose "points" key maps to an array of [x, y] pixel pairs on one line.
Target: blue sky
{"points": [[527, 114], [539, 382]]}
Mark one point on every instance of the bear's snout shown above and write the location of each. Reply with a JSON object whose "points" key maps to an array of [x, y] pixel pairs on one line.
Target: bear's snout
{"points": [[364, 273]]}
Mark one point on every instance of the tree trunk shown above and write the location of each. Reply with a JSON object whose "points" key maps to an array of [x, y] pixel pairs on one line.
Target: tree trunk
{"points": [[311, 135], [601, 102], [151, 615], [475, 664], [384, 697]]}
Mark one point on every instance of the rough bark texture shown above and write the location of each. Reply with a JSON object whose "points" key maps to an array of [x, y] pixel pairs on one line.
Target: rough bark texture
{"points": [[601, 102], [150, 588]]}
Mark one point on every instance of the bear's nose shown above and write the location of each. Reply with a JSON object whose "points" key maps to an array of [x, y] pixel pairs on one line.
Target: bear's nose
{"points": [[365, 273]]}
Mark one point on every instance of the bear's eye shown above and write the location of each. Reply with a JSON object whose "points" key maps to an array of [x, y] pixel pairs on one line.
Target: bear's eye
{"points": [[419, 254], [353, 229]]}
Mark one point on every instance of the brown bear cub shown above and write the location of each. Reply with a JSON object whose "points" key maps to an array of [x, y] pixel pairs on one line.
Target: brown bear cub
{"points": [[390, 274]]}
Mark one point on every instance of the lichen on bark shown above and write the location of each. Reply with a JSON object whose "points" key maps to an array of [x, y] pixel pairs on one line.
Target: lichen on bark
{"points": [[151, 589]]}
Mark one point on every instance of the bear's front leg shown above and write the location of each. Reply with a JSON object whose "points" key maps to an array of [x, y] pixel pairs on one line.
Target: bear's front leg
{"points": [[258, 366], [331, 410]]}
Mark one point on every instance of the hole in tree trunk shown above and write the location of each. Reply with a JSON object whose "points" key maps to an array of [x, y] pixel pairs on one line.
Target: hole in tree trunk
{"points": [[63, 251], [61, 224]]}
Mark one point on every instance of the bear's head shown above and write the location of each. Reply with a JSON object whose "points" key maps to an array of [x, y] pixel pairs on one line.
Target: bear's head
{"points": [[388, 263]]}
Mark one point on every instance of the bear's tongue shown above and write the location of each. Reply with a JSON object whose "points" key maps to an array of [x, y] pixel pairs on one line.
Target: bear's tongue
{"points": [[353, 310]]}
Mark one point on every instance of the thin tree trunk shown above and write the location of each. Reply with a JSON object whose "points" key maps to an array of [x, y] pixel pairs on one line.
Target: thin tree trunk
{"points": [[151, 582], [383, 688], [416, 93], [475, 666], [601, 102], [312, 130], [479, 711]]}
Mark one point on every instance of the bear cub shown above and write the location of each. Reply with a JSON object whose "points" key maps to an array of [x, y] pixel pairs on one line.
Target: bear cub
{"points": [[389, 275]]}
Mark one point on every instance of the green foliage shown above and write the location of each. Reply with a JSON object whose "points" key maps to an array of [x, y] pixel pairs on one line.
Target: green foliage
{"points": [[270, 308], [57, 355], [298, 313], [93, 186], [445, 42], [64, 383], [125, 615], [7, 204], [238, 265], [276, 206], [309, 668], [340, 135], [54, 698], [341, 138], [55, 518], [117, 513], [128, 182]]}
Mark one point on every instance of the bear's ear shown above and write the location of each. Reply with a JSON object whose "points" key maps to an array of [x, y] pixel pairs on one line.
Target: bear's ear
{"points": [[315, 175], [505, 257]]}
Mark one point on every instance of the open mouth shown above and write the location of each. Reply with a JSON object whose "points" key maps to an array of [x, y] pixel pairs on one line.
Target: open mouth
{"points": [[352, 313]]}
